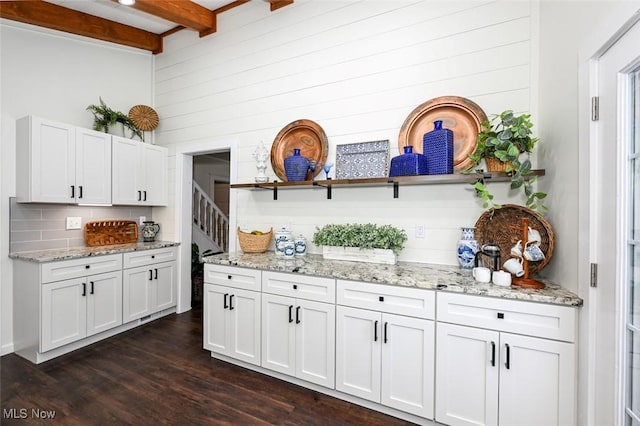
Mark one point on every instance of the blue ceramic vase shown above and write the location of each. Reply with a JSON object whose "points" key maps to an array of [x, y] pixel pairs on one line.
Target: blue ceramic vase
{"points": [[437, 146], [408, 164], [467, 248], [296, 166]]}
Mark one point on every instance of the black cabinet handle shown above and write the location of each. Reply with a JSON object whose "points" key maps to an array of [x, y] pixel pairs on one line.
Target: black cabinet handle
{"points": [[84, 289], [231, 302], [228, 277], [500, 315], [139, 195], [297, 314], [375, 331], [87, 266], [150, 274], [385, 332], [381, 298], [156, 276], [493, 354], [507, 362], [225, 300], [153, 256], [73, 191], [295, 286], [145, 195], [290, 313], [80, 188], [91, 291]]}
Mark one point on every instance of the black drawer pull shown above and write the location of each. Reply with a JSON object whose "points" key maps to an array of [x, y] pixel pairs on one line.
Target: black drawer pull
{"points": [[500, 315], [153, 256], [381, 298], [228, 277], [225, 300], [87, 266], [295, 286]]}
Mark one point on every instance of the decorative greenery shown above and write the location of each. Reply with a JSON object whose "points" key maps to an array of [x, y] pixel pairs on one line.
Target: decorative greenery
{"points": [[197, 266], [505, 137], [367, 236], [105, 117]]}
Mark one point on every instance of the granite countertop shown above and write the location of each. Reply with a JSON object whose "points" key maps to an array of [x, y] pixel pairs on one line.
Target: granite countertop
{"points": [[55, 255], [406, 274]]}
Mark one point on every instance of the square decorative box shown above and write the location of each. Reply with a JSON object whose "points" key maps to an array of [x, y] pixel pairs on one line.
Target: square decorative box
{"points": [[362, 160]]}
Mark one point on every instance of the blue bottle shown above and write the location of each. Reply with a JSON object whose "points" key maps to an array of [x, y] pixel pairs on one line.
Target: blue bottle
{"points": [[296, 166], [408, 164], [437, 146]]}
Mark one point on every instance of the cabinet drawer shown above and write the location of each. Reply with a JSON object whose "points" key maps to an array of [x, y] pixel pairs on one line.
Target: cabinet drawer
{"points": [[533, 319], [149, 257], [231, 276], [386, 298], [76, 268], [299, 286]]}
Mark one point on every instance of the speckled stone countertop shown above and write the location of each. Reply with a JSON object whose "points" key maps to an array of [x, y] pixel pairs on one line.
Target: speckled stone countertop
{"points": [[55, 255], [406, 274]]}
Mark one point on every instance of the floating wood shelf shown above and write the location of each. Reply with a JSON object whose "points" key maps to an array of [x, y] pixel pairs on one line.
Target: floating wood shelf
{"points": [[396, 182]]}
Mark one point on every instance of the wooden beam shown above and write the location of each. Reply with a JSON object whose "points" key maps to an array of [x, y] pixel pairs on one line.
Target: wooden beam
{"points": [[277, 4], [60, 18], [185, 13]]}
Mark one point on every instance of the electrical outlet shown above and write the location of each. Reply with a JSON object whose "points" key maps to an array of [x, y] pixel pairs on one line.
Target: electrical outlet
{"points": [[420, 232], [74, 223], [142, 219]]}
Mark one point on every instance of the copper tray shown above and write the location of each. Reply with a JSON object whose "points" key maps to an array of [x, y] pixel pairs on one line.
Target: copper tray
{"points": [[503, 227], [463, 116], [304, 134]]}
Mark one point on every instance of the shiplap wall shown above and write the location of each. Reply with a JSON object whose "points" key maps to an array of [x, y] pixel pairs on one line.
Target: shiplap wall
{"points": [[358, 69]]}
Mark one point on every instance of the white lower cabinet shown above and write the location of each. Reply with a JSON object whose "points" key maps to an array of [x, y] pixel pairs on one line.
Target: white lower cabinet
{"points": [[385, 358], [492, 377], [77, 308], [298, 338], [232, 322]]}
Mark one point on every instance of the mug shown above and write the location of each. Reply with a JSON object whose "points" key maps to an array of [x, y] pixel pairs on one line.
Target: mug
{"points": [[533, 253], [516, 251], [502, 278], [534, 236], [481, 274], [514, 266]]}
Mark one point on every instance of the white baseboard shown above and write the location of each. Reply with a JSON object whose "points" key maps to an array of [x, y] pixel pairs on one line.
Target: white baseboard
{"points": [[7, 349]]}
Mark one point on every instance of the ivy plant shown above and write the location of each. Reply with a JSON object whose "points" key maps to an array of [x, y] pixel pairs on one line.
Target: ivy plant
{"points": [[367, 236], [105, 117]]}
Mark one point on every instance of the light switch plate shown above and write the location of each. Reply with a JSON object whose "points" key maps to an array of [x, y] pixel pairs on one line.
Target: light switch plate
{"points": [[142, 219], [74, 223], [420, 231]]}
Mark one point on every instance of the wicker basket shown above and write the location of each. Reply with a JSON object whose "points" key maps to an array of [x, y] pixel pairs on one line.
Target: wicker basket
{"points": [[495, 165], [503, 227], [251, 243]]}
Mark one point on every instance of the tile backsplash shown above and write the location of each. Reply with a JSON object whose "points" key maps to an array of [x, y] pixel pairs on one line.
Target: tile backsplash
{"points": [[43, 226]]}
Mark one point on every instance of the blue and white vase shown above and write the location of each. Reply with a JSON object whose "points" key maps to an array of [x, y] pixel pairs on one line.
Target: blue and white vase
{"points": [[300, 245], [467, 248], [296, 166]]}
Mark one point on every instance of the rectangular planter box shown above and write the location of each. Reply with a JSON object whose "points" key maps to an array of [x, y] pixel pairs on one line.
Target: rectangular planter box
{"points": [[359, 255]]}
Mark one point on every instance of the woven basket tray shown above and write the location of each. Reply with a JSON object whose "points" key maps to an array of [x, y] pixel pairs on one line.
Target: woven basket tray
{"points": [[503, 227], [109, 232], [251, 243]]}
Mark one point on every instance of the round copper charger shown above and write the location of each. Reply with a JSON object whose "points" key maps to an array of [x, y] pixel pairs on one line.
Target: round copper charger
{"points": [[463, 116], [304, 134]]}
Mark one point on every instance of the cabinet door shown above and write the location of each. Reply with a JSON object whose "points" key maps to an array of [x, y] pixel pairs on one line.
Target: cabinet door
{"points": [[315, 342], [467, 369], [136, 293], [216, 320], [154, 167], [64, 313], [358, 353], [407, 364], [45, 157], [164, 286], [537, 381], [93, 167], [104, 302], [278, 334], [127, 185], [244, 311]]}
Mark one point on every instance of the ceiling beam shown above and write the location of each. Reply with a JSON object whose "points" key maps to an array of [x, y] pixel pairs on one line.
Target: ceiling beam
{"points": [[277, 4], [186, 13], [49, 15]]}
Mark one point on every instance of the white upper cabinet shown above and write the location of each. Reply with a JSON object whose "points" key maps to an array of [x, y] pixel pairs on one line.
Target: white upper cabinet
{"points": [[60, 163], [139, 173]]}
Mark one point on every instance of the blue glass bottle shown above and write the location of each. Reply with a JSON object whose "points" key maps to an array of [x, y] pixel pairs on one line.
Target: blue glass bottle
{"points": [[296, 166], [437, 146], [408, 164]]}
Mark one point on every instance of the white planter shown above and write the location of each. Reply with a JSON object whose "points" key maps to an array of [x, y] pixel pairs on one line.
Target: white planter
{"points": [[359, 255]]}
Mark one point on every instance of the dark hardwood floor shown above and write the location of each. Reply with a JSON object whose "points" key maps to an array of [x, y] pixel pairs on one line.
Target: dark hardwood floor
{"points": [[159, 374]]}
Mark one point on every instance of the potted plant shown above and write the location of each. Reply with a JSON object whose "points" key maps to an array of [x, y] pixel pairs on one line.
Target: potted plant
{"points": [[105, 117], [197, 273], [501, 143], [360, 242]]}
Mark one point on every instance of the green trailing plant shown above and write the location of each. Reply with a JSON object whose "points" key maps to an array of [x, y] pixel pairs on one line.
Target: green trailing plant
{"points": [[506, 137], [367, 236], [105, 117], [197, 266]]}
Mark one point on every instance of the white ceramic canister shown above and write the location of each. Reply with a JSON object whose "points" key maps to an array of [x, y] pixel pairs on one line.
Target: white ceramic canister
{"points": [[300, 244], [281, 237], [289, 249]]}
